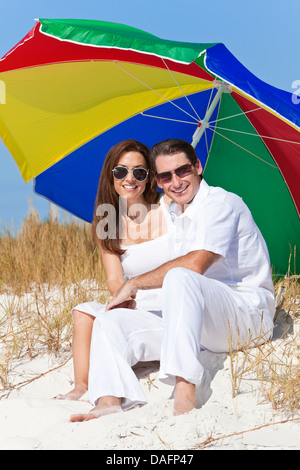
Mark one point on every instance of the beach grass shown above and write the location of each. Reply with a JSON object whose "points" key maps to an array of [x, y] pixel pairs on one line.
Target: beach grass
{"points": [[274, 364], [48, 267], [48, 252]]}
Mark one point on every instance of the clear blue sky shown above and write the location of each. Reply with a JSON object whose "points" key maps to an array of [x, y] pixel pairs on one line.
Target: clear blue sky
{"points": [[262, 34]]}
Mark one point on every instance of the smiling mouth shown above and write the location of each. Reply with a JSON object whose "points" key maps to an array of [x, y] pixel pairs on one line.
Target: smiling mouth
{"points": [[180, 191], [129, 187]]}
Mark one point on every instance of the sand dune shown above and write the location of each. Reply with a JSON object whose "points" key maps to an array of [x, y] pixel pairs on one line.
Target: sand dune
{"points": [[31, 419]]}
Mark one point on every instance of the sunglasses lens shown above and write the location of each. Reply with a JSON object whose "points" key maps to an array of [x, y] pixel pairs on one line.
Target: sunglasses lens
{"points": [[165, 177], [140, 174], [183, 171], [120, 172]]}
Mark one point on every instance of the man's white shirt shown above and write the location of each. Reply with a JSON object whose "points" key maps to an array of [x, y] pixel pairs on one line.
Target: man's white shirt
{"points": [[219, 221]]}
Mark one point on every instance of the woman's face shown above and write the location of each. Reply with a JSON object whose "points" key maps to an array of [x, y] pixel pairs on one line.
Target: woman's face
{"points": [[129, 187]]}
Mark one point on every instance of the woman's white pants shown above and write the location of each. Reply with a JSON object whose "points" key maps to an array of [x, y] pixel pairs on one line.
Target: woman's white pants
{"points": [[197, 313]]}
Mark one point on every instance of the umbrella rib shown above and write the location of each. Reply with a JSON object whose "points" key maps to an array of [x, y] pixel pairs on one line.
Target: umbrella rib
{"points": [[258, 135], [167, 119], [155, 91], [235, 115], [176, 81], [248, 151]]}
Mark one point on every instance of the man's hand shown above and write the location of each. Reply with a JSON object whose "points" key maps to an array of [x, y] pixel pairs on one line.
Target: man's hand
{"points": [[124, 297], [131, 304]]}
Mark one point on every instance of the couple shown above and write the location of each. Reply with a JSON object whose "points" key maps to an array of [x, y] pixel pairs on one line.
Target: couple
{"points": [[203, 283]]}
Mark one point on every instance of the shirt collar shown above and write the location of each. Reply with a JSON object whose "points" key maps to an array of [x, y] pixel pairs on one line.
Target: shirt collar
{"points": [[192, 208]]}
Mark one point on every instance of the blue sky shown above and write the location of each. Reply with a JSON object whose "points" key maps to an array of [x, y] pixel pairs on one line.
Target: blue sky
{"points": [[262, 34]]}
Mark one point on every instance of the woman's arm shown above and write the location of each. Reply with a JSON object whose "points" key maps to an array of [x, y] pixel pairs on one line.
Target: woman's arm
{"points": [[115, 277], [113, 270]]}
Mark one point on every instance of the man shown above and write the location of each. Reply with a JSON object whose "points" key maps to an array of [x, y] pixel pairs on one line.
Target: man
{"points": [[217, 289]]}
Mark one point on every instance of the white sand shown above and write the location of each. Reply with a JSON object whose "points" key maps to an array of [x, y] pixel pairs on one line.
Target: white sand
{"points": [[31, 419]]}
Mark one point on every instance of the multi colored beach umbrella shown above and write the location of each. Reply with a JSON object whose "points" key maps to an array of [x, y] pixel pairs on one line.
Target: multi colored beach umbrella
{"points": [[74, 88]]}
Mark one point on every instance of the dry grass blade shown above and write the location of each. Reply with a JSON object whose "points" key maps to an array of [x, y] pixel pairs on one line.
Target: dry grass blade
{"points": [[28, 381], [210, 440]]}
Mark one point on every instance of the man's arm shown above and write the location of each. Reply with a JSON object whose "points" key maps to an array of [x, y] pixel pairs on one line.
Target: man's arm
{"points": [[198, 261]]}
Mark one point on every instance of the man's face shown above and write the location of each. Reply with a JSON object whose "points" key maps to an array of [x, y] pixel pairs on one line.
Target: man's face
{"points": [[180, 190]]}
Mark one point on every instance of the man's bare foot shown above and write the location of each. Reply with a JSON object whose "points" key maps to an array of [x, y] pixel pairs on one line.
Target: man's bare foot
{"points": [[74, 394], [185, 398], [106, 405]]}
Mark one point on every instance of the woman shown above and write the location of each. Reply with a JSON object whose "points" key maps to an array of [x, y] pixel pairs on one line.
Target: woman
{"points": [[129, 228]]}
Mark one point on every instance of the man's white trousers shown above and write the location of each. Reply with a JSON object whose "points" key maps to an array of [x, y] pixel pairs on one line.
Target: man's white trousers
{"points": [[198, 313]]}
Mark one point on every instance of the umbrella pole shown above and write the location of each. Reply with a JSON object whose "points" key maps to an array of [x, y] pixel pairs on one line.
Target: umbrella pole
{"points": [[205, 122]]}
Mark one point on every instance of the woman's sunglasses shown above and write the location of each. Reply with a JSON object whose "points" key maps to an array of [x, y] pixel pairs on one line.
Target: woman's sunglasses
{"points": [[181, 172], [140, 174]]}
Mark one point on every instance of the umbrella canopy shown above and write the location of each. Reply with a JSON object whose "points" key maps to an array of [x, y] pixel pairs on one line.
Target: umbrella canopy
{"points": [[74, 88]]}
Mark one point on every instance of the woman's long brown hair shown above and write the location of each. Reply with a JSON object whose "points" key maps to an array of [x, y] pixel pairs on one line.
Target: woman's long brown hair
{"points": [[107, 194]]}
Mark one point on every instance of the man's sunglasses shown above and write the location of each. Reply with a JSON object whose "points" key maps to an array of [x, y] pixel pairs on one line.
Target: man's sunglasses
{"points": [[140, 174], [181, 172]]}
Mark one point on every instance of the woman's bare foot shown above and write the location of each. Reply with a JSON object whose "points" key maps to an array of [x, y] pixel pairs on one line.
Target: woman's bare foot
{"points": [[185, 398], [95, 413], [106, 405], [74, 394]]}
